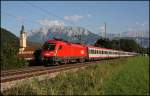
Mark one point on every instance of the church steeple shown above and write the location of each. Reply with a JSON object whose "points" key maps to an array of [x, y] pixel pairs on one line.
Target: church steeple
{"points": [[23, 37], [22, 29]]}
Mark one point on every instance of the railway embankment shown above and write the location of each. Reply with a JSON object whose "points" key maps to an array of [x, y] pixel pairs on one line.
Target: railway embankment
{"points": [[123, 76]]}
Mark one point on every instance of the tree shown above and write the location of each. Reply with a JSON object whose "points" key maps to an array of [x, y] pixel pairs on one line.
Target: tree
{"points": [[9, 51], [103, 43], [128, 45]]}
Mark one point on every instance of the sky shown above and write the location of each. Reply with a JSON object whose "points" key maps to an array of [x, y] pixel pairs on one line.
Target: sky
{"points": [[119, 16]]}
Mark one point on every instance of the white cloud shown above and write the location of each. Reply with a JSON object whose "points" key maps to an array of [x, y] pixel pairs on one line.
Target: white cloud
{"points": [[51, 23], [137, 23], [89, 15], [130, 29], [74, 18], [20, 18], [143, 24]]}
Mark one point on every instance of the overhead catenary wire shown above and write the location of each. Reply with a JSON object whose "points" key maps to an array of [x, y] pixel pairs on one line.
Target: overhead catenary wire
{"points": [[48, 12], [14, 16]]}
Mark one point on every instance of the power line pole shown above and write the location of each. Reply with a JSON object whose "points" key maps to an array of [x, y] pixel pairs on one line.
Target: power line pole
{"points": [[105, 29]]}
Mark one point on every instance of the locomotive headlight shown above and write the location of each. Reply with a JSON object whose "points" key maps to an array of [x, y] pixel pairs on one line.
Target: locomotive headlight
{"points": [[82, 51], [47, 54]]}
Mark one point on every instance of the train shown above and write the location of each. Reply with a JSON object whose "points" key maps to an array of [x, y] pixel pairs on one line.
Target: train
{"points": [[58, 51]]}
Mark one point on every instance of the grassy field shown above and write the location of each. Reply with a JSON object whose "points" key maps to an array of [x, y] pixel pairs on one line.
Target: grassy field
{"points": [[123, 76]]}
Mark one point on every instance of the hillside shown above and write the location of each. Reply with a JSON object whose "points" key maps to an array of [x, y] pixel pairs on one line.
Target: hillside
{"points": [[9, 50], [9, 42]]}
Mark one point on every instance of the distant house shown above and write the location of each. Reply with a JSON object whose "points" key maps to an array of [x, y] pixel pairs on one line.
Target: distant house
{"points": [[26, 51]]}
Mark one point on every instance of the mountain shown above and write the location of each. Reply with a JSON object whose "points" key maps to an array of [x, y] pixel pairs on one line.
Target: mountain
{"points": [[67, 33], [135, 34]]}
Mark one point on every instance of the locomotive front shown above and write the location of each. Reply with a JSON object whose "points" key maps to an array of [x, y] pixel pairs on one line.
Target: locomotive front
{"points": [[49, 52]]}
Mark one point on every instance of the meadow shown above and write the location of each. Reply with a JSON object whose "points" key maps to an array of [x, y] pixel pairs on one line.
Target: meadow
{"points": [[122, 76]]}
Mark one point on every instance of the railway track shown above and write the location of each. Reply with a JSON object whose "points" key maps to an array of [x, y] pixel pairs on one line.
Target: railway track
{"points": [[12, 75]]}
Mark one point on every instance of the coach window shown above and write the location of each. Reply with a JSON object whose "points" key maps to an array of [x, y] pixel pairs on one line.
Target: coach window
{"points": [[109, 52], [90, 51], [104, 52]]}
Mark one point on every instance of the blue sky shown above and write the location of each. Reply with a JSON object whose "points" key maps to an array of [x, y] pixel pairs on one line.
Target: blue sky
{"points": [[120, 16]]}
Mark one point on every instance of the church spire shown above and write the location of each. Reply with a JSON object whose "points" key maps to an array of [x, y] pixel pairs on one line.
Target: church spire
{"points": [[22, 29], [23, 37]]}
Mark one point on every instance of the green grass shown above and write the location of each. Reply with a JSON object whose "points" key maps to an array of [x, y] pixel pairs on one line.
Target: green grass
{"points": [[133, 79], [124, 76]]}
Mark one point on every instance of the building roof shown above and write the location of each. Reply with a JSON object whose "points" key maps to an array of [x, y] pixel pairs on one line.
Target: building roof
{"points": [[27, 52]]}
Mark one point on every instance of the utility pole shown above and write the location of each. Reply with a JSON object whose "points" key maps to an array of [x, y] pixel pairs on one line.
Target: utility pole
{"points": [[105, 29], [120, 37]]}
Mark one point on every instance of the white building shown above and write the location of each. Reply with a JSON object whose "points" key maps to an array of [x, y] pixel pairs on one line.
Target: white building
{"points": [[23, 40], [25, 51]]}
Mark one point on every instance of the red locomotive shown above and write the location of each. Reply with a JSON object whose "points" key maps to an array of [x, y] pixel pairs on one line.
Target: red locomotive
{"points": [[58, 52]]}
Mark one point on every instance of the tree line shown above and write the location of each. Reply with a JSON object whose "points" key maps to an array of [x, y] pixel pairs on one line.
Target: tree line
{"points": [[128, 45]]}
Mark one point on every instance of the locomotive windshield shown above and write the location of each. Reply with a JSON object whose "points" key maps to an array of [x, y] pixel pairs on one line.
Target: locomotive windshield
{"points": [[49, 46]]}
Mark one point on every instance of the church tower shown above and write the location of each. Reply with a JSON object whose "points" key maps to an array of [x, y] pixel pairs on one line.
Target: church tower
{"points": [[23, 39]]}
